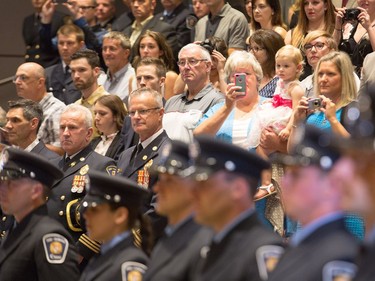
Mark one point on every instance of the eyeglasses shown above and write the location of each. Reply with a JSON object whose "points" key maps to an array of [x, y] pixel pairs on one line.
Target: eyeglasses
{"points": [[22, 78], [254, 49], [318, 46], [142, 112], [190, 62], [86, 7]]}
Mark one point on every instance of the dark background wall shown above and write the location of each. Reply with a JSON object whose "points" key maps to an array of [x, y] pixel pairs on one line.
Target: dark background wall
{"points": [[11, 42]]}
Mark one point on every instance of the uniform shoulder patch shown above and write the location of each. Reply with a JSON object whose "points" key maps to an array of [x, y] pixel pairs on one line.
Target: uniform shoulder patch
{"points": [[267, 258], [111, 170], [339, 271], [132, 271], [55, 247]]}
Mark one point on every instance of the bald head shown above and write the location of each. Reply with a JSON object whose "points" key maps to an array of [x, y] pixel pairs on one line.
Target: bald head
{"points": [[30, 81]]}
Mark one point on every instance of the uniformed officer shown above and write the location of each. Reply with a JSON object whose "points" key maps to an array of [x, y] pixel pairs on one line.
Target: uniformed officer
{"points": [[79, 158], [323, 249], [354, 173], [176, 253], [37, 247], [226, 178], [112, 209]]}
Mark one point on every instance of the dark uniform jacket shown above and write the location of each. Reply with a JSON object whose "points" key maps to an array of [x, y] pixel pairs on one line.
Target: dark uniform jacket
{"points": [[174, 257], [366, 269], [136, 168], [34, 49], [61, 84], [38, 248], [178, 19], [71, 187], [242, 254], [123, 262], [308, 260], [115, 149], [155, 24]]}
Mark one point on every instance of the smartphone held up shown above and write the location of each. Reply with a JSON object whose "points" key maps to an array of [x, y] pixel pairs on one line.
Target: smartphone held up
{"points": [[240, 81]]}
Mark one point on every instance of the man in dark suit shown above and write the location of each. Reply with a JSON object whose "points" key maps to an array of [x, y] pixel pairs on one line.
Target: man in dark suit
{"points": [[146, 112], [24, 118], [226, 176], [70, 39], [175, 13], [75, 135], [323, 249], [145, 20], [176, 253], [30, 33], [37, 247]]}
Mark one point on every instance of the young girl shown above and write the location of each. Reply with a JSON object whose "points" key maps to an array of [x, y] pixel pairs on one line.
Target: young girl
{"points": [[277, 112]]}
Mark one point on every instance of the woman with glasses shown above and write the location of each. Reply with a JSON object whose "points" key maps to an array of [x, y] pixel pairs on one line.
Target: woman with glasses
{"points": [[354, 31], [153, 44], [264, 44], [266, 14], [313, 15], [109, 114], [315, 45]]}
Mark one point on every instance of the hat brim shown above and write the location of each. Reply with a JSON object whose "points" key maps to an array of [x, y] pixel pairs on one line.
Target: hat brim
{"points": [[93, 200], [289, 160]]}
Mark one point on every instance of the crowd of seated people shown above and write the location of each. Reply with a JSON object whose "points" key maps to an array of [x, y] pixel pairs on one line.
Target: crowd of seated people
{"points": [[131, 88]]}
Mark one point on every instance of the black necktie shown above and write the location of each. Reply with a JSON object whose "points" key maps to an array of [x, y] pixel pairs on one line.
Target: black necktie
{"points": [[67, 72], [139, 149]]}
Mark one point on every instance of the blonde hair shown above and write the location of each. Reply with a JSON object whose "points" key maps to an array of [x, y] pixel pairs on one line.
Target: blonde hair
{"points": [[293, 54], [313, 35], [344, 65]]}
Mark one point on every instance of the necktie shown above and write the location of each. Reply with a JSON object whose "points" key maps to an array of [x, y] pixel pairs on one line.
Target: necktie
{"points": [[67, 72], [139, 149]]}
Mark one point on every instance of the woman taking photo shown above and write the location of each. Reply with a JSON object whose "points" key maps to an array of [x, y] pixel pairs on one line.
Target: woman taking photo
{"points": [[153, 44], [266, 14], [109, 114], [355, 33]]}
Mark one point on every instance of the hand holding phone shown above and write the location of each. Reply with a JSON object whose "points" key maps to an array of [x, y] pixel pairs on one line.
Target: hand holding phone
{"points": [[240, 81]]}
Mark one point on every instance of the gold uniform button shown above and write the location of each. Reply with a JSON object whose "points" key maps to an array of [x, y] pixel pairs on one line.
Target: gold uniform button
{"points": [[27, 56], [61, 213], [37, 46], [4, 218], [28, 47], [62, 197], [2, 233], [37, 56]]}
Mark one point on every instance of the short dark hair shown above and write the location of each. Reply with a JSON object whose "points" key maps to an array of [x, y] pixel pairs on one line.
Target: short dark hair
{"points": [[91, 56], [31, 109]]}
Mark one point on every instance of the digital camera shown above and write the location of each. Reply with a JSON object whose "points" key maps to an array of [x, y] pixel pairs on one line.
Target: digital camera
{"points": [[315, 103], [351, 14]]}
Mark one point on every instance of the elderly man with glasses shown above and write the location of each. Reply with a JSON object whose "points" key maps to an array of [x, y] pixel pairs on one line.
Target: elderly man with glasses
{"points": [[187, 108], [146, 112]]}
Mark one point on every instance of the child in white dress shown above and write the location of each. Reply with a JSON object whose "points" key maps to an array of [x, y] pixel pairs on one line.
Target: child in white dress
{"points": [[277, 112]]}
